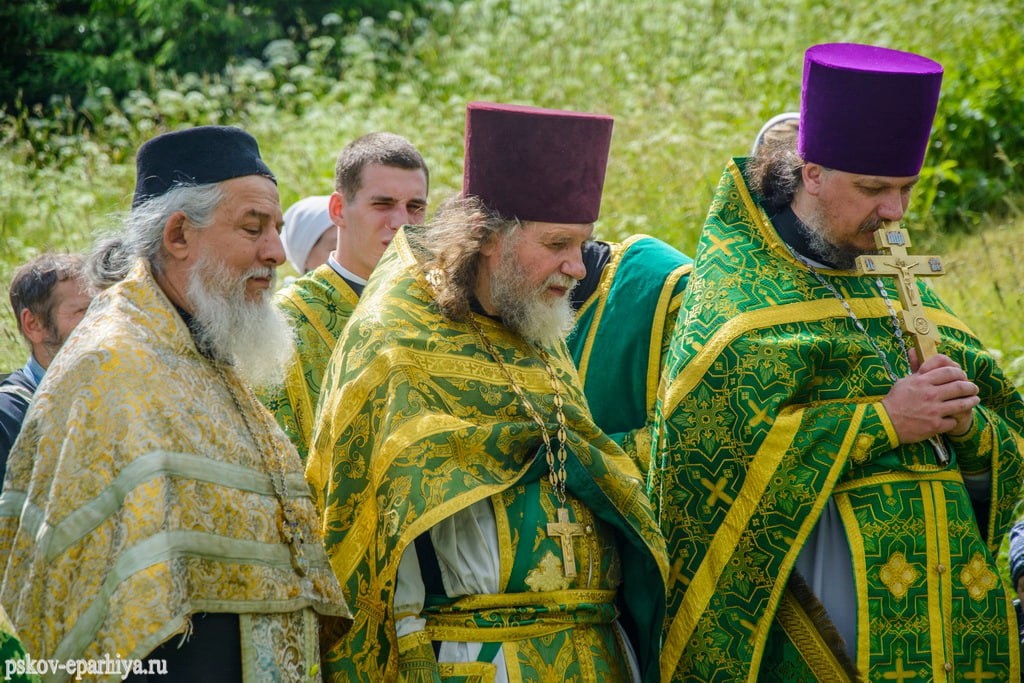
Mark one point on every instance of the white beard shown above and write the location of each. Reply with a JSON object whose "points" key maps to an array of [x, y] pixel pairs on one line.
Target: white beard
{"points": [[253, 336], [527, 312]]}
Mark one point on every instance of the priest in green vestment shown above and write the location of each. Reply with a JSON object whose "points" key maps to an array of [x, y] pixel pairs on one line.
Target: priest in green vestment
{"points": [[627, 306], [152, 508], [818, 480], [484, 527], [380, 185]]}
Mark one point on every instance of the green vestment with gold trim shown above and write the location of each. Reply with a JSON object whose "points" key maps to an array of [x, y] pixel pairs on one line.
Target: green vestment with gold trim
{"points": [[772, 406], [622, 334], [317, 306], [417, 422]]}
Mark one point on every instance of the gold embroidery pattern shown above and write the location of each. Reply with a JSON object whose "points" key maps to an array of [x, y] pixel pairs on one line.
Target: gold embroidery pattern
{"points": [[415, 399], [159, 505], [317, 307], [977, 578], [548, 576], [898, 575], [779, 448]]}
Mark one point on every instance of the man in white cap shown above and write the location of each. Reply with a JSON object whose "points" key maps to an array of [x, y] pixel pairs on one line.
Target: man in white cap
{"points": [[381, 183], [309, 235]]}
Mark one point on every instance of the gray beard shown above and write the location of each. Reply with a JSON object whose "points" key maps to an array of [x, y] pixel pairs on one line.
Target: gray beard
{"points": [[526, 312], [252, 336]]}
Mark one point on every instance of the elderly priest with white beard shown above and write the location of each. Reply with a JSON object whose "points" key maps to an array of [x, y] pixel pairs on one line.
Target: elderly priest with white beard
{"points": [[153, 509]]}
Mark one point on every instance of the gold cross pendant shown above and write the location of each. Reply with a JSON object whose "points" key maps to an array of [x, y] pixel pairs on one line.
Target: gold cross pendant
{"points": [[293, 537], [565, 530]]}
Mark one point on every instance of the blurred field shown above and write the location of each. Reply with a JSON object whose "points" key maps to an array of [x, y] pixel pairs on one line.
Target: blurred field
{"points": [[689, 83]]}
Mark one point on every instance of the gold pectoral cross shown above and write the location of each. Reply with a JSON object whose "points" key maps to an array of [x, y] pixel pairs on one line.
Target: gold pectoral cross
{"points": [[565, 530], [893, 241], [894, 260]]}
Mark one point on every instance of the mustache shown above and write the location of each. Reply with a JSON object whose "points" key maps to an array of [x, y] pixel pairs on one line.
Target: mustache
{"points": [[871, 225], [560, 280], [260, 272]]}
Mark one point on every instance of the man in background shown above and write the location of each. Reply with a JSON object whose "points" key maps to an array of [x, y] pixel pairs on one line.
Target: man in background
{"points": [[381, 184], [49, 297]]}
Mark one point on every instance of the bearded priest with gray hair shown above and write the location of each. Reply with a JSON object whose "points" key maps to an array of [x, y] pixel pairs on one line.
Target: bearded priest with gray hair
{"points": [[482, 523], [153, 509]]}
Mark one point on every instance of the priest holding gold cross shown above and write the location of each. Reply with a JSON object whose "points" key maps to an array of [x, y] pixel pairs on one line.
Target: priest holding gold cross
{"points": [[839, 456], [483, 526]]}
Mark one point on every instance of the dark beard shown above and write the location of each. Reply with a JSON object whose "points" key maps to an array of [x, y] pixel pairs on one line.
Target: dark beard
{"points": [[823, 251]]}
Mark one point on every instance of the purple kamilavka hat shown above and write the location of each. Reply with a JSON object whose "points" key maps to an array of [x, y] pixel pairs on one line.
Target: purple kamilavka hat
{"points": [[867, 109], [536, 164]]}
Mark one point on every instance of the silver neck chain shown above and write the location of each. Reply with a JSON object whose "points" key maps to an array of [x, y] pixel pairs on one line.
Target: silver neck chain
{"points": [[904, 351], [941, 452]]}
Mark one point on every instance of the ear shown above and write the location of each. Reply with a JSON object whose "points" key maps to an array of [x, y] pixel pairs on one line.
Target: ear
{"points": [[489, 244], [335, 205], [176, 236], [813, 176], [32, 327]]}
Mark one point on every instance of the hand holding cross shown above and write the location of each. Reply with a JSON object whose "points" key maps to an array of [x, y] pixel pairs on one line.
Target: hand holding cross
{"points": [[892, 241]]}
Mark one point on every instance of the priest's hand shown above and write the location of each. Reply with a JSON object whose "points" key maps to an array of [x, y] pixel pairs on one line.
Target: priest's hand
{"points": [[935, 399]]}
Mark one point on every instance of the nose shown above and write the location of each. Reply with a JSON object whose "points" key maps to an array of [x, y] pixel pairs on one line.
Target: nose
{"points": [[573, 266], [893, 206], [398, 217], [272, 249]]}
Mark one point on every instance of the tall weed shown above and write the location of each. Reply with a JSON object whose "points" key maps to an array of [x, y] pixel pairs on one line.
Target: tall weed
{"points": [[689, 83]]}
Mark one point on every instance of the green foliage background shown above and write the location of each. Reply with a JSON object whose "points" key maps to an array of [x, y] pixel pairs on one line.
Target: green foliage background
{"points": [[689, 83]]}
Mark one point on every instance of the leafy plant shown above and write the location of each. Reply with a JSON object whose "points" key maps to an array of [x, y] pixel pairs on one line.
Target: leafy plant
{"points": [[71, 48], [689, 84]]}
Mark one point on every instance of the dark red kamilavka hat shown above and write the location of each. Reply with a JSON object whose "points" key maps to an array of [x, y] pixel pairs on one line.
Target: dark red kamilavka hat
{"points": [[867, 109], [536, 164]]}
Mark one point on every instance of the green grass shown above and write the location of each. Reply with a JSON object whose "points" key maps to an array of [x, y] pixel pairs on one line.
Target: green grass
{"points": [[689, 83], [985, 286]]}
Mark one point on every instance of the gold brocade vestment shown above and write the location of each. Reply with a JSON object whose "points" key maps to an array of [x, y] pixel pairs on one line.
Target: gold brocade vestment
{"points": [[317, 306], [137, 497], [417, 424]]}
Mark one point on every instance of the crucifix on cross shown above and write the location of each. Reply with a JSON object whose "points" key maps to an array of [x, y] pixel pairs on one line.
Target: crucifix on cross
{"points": [[893, 241], [564, 531]]}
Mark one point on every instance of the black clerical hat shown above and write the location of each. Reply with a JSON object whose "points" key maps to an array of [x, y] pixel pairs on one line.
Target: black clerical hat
{"points": [[195, 156]]}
